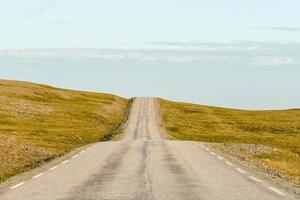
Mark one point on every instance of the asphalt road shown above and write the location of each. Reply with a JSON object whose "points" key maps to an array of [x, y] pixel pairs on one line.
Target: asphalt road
{"points": [[144, 166]]}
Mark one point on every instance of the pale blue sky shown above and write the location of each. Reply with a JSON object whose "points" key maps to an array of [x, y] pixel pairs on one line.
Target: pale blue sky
{"points": [[231, 53], [98, 23]]}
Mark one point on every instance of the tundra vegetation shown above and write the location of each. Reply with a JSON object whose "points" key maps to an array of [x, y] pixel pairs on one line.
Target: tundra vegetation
{"points": [[271, 138], [39, 123]]}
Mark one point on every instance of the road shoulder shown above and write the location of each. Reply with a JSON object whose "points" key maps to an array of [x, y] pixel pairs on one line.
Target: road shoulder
{"points": [[159, 122], [40, 169], [244, 159], [119, 133]]}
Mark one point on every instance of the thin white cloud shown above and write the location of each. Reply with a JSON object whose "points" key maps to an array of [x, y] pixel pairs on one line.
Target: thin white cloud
{"points": [[276, 61], [56, 22], [209, 46], [267, 54], [282, 28], [110, 54], [42, 7], [69, 53]]}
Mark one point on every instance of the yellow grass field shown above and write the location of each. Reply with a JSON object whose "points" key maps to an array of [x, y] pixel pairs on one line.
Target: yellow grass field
{"points": [[277, 133], [39, 122]]}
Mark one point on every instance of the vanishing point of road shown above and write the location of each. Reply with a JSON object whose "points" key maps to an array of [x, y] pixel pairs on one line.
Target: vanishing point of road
{"points": [[143, 166]]}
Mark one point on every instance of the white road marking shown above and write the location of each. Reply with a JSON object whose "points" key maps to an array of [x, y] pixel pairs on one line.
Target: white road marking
{"points": [[206, 149], [212, 153], [53, 168], [16, 186], [38, 175], [81, 151], [240, 170], [66, 161], [255, 179], [229, 163], [220, 157], [277, 191], [75, 156]]}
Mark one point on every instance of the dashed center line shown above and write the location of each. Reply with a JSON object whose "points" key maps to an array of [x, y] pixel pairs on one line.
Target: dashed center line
{"points": [[16, 186], [255, 179], [240, 170], [53, 168], [38, 175], [82, 151], [220, 157], [75, 156], [212, 153], [66, 161], [206, 149], [229, 163], [277, 191]]}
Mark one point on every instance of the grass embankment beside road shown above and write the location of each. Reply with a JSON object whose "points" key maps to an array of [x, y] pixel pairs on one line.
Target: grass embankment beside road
{"points": [[275, 134], [39, 122]]}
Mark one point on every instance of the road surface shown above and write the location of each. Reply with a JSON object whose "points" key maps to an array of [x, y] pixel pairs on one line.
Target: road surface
{"points": [[144, 166]]}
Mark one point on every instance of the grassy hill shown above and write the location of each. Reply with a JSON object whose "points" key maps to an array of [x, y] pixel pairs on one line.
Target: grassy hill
{"points": [[275, 133], [39, 122]]}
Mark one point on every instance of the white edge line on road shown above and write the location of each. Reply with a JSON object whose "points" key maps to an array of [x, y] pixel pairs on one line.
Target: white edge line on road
{"points": [[81, 151], [243, 172], [53, 168], [255, 179], [75, 156], [277, 191], [38, 175], [240, 170], [16, 186], [66, 161], [220, 157]]}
